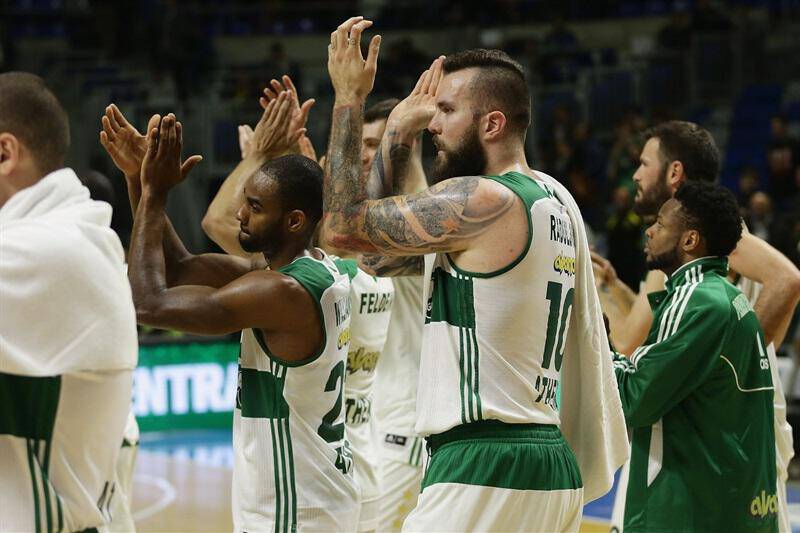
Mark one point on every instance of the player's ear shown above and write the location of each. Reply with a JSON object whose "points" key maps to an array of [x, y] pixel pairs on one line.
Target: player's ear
{"points": [[296, 221], [495, 125], [9, 153], [676, 174], [690, 241]]}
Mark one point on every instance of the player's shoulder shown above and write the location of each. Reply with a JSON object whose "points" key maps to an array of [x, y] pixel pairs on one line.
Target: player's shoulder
{"points": [[713, 296]]}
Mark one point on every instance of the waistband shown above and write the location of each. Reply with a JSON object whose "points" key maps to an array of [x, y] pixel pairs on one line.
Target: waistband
{"points": [[498, 431]]}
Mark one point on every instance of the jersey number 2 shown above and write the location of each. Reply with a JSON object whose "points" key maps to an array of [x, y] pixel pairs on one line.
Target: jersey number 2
{"points": [[331, 432], [556, 324]]}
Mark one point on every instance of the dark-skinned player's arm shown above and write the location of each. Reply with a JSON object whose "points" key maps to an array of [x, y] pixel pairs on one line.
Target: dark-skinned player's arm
{"points": [[445, 218], [755, 259], [127, 148], [196, 309], [280, 131]]}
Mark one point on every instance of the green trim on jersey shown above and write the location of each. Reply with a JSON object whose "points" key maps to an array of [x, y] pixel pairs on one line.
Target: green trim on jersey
{"points": [[698, 400], [315, 278], [347, 266], [509, 456], [530, 192], [453, 302], [261, 393], [285, 489], [28, 405]]}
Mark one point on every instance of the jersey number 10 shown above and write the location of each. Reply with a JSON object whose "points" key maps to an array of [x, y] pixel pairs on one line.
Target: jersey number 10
{"points": [[556, 324]]}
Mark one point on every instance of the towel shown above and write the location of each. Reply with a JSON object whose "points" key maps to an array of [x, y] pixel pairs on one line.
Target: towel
{"points": [[65, 300], [592, 420]]}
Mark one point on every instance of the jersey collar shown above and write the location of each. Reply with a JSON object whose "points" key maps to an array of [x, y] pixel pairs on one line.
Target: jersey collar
{"points": [[703, 265]]}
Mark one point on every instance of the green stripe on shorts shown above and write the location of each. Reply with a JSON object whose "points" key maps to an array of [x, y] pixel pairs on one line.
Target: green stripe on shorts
{"points": [[510, 456]]}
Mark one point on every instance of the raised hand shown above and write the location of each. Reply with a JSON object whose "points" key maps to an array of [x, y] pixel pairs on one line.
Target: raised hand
{"points": [[123, 142], [351, 75], [299, 113], [415, 112], [272, 136], [603, 269], [245, 140], [161, 166], [127, 147]]}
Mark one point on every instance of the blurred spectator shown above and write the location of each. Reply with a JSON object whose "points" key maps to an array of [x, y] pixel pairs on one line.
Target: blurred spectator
{"points": [[623, 159], [677, 34], [749, 183], [783, 155], [760, 215], [278, 64], [401, 66], [560, 38], [625, 229], [99, 186], [707, 18]]}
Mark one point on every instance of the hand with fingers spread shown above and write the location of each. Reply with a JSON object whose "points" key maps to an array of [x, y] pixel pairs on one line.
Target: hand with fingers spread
{"points": [[272, 136], [299, 116], [123, 142], [245, 140], [351, 75], [161, 166], [127, 147], [603, 269], [415, 112]]}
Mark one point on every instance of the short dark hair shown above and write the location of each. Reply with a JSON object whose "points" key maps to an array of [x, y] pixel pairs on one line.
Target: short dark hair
{"points": [[299, 184], [713, 211], [501, 83], [380, 110], [690, 144], [100, 187], [32, 113]]}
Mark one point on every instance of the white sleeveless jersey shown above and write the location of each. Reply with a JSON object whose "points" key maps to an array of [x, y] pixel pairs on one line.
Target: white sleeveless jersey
{"points": [[371, 309], [493, 344], [398, 373], [293, 467]]}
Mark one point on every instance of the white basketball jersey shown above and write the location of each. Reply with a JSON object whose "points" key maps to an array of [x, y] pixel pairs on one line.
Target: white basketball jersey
{"points": [[493, 344], [293, 467]]}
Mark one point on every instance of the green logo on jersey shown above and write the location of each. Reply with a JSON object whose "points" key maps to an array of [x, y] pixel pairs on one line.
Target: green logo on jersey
{"points": [[764, 504]]}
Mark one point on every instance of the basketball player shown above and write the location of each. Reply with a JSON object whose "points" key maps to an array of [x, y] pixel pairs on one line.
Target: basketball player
{"points": [[293, 467], [698, 393], [478, 389], [371, 301], [677, 152], [68, 341]]}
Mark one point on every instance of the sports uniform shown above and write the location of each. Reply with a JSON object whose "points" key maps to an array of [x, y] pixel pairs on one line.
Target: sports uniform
{"points": [[121, 508], [401, 450], [293, 466], [68, 348], [698, 398], [371, 311], [493, 346]]}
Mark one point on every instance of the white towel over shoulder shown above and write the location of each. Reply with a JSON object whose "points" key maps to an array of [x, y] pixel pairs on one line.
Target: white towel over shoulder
{"points": [[65, 300], [592, 420]]}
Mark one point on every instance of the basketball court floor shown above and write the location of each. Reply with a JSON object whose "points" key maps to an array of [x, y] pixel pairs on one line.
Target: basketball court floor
{"points": [[182, 483]]}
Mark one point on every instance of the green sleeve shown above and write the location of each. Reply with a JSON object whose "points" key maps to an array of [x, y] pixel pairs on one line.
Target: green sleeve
{"points": [[668, 371]]}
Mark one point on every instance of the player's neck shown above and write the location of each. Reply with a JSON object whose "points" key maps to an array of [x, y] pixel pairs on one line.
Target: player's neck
{"points": [[501, 161], [288, 254]]}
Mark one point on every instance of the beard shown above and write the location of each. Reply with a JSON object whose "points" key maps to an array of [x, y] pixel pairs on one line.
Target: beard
{"points": [[647, 203], [468, 158], [668, 262], [267, 243]]}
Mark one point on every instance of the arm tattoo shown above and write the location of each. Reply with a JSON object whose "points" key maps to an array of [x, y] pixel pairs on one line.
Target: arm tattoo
{"points": [[387, 176], [385, 266], [443, 218]]}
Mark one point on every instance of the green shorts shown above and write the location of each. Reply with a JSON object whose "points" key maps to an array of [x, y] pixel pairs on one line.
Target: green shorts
{"points": [[491, 453]]}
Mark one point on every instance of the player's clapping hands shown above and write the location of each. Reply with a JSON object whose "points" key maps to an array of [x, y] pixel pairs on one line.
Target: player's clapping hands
{"points": [[351, 75], [161, 166], [295, 130], [415, 112], [127, 147]]}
